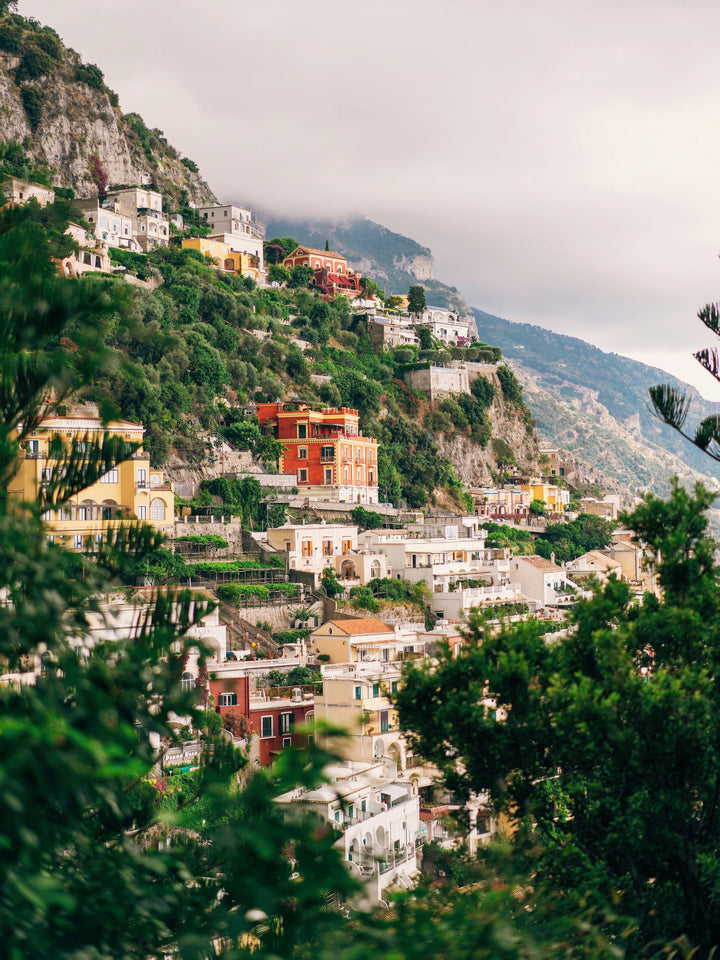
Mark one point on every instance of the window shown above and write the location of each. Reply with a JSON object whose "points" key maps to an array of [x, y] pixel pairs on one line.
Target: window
{"points": [[266, 726], [142, 513], [302, 475], [226, 699], [287, 742], [358, 693], [369, 456], [46, 474], [142, 477], [157, 509], [33, 446], [302, 453], [188, 682], [384, 721], [328, 475], [307, 548], [302, 431], [110, 477], [82, 513], [327, 548], [327, 453], [371, 476], [77, 541], [287, 722], [346, 546], [394, 686], [376, 689]]}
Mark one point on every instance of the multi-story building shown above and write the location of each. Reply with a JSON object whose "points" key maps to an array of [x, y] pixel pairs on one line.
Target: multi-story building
{"points": [[446, 325], [325, 449], [508, 501], [555, 499], [330, 271], [151, 227], [311, 547], [390, 332], [543, 581], [378, 817], [130, 489], [270, 718], [362, 639], [109, 224], [235, 227], [233, 261], [459, 573]]}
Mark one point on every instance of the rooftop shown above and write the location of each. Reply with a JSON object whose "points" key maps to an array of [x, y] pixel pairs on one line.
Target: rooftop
{"points": [[359, 627]]}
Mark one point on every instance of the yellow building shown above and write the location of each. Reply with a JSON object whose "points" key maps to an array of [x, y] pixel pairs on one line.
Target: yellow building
{"points": [[130, 489], [556, 499], [225, 258]]}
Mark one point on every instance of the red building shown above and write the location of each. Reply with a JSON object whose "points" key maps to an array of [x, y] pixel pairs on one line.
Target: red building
{"points": [[269, 718], [330, 271], [325, 449]]}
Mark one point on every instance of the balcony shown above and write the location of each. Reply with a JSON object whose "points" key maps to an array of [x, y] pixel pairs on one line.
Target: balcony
{"points": [[327, 458]]}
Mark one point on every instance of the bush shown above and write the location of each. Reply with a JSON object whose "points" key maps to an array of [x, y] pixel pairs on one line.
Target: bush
{"points": [[211, 539], [35, 63], [190, 164], [91, 75], [11, 35], [32, 104]]}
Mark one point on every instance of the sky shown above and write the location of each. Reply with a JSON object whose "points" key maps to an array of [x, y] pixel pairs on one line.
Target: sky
{"points": [[560, 158]]}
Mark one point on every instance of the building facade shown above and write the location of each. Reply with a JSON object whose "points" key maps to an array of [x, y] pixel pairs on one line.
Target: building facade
{"points": [[325, 449], [131, 489]]}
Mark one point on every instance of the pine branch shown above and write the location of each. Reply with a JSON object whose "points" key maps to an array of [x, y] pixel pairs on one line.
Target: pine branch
{"points": [[669, 405], [710, 361], [710, 316]]}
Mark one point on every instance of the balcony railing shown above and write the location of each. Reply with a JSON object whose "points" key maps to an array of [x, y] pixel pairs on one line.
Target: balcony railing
{"points": [[327, 458]]}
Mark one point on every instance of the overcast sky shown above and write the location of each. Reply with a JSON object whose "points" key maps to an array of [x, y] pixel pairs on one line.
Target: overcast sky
{"points": [[559, 157]]}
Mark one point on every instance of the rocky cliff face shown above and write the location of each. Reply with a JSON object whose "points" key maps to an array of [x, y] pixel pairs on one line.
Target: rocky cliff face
{"points": [[74, 122], [476, 465]]}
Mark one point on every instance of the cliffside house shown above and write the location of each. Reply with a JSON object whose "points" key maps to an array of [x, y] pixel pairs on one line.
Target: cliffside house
{"points": [[378, 819], [235, 227], [130, 489], [23, 191], [239, 262], [151, 227], [330, 271], [311, 547], [108, 224], [325, 449], [446, 325]]}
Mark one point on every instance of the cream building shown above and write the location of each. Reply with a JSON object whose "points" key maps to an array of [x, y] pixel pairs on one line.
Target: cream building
{"points": [[22, 191]]}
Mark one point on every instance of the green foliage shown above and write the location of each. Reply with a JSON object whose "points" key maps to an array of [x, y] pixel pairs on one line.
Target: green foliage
{"points": [[512, 391], [209, 539], [296, 677], [301, 276], [11, 34], [330, 583], [367, 519], [161, 566], [278, 248], [32, 102], [416, 299], [190, 164], [537, 508], [90, 74], [620, 718], [570, 540], [278, 274], [291, 636]]}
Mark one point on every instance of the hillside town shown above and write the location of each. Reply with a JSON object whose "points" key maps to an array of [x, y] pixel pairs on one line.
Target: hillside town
{"points": [[319, 617]]}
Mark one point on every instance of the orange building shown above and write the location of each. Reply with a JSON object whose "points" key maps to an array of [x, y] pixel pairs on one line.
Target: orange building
{"points": [[325, 449], [330, 271]]}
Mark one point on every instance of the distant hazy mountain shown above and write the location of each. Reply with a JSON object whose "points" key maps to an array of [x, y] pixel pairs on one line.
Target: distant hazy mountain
{"points": [[596, 404], [393, 261]]}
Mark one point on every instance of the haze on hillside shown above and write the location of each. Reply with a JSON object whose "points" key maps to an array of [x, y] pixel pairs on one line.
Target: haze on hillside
{"points": [[558, 158]]}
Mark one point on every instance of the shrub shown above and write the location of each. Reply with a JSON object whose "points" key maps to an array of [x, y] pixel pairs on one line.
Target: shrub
{"points": [[35, 63], [91, 75], [190, 164], [11, 35], [32, 104]]}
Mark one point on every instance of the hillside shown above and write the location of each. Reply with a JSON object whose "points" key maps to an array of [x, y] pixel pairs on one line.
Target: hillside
{"points": [[596, 405], [64, 115], [393, 261]]}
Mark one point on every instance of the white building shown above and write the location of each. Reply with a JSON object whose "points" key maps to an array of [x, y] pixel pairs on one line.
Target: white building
{"points": [[151, 227], [377, 817], [314, 546], [446, 325], [234, 226], [543, 581], [458, 571], [108, 224], [22, 191]]}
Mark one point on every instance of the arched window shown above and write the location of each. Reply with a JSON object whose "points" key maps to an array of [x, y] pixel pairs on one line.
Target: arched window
{"points": [[374, 569], [157, 509], [187, 682]]}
